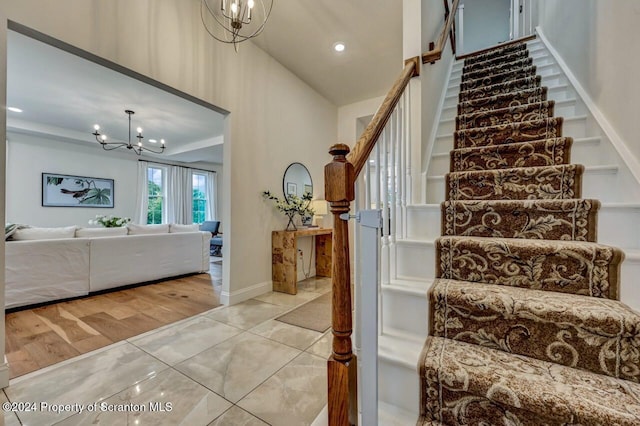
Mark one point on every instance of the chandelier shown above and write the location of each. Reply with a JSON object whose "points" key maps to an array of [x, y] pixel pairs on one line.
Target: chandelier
{"points": [[137, 148], [234, 21]]}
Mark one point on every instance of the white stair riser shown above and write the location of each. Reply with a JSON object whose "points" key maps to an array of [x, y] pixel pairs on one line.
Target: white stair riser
{"points": [[629, 292], [591, 153], [543, 68], [602, 185], [563, 108], [398, 385], [439, 165], [435, 191], [415, 260], [560, 93], [630, 270], [575, 128], [423, 222], [442, 144], [448, 124], [547, 80], [619, 227], [448, 113], [535, 50], [414, 305]]}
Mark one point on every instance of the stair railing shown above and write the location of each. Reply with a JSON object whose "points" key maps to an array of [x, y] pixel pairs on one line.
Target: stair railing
{"points": [[384, 145]]}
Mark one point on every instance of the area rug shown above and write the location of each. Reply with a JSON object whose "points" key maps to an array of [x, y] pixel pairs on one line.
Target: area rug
{"points": [[314, 315]]}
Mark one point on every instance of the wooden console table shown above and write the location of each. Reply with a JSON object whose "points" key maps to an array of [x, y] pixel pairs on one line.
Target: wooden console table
{"points": [[284, 249]]}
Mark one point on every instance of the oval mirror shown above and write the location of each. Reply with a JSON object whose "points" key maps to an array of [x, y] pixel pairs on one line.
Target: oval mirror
{"points": [[296, 181]]}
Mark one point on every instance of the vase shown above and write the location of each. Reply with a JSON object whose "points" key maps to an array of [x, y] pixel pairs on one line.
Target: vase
{"points": [[291, 226]]}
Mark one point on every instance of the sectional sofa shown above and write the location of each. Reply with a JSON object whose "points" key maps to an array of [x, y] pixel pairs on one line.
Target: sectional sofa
{"points": [[47, 264]]}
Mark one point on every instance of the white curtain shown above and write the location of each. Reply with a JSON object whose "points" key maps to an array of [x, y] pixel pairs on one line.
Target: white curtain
{"points": [[180, 195], [142, 195], [212, 194]]}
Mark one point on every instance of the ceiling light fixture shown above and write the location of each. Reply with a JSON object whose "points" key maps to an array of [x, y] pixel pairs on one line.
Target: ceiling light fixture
{"points": [[138, 148], [235, 21], [339, 46], [14, 109]]}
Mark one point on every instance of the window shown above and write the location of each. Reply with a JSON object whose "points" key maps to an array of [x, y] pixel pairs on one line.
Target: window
{"points": [[199, 197], [156, 211]]}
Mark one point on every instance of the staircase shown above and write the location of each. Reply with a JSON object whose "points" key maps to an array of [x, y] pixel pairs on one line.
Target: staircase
{"points": [[525, 326]]}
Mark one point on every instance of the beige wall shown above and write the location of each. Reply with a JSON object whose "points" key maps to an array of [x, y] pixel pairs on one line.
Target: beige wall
{"points": [[275, 118], [433, 80], [600, 40]]}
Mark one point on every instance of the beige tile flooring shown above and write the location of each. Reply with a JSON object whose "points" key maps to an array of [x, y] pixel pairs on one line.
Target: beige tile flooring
{"points": [[229, 366]]}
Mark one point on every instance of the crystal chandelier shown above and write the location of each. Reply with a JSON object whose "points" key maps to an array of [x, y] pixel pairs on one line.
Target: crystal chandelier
{"points": [[137, 148], [234, 21]]}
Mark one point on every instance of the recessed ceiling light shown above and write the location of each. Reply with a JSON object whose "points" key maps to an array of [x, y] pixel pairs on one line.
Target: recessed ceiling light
{"points": [[339, 46], [153, 141], [14, 109]]}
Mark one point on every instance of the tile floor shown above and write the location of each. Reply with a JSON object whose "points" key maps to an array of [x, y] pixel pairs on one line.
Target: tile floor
{"points": [[229, 366]]}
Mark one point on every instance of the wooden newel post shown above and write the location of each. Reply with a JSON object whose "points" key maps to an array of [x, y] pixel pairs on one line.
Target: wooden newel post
{"points": [[339, 189]]}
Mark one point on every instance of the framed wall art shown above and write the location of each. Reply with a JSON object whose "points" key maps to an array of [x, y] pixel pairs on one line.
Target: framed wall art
{"points": [[76, 191]]}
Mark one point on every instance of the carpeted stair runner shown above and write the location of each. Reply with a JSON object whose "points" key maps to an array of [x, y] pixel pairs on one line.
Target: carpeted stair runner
{"points": [[523, 131], [525, 325], [526, 96], [498, 69], [491, 79], [550, 182], [554, 265], [548, 152], [500, 88], [568, 220], [511, 114], [585, 332]]}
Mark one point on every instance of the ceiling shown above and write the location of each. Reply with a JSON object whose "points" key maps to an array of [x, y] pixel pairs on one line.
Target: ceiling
{"points": [[63, 95], [300, 34]]}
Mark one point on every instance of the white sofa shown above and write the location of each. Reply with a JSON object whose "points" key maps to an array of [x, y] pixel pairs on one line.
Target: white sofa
{"points": [[38, 271]]}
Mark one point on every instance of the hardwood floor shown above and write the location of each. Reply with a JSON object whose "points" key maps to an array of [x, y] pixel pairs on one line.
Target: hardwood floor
{"points": [[38, 337]]}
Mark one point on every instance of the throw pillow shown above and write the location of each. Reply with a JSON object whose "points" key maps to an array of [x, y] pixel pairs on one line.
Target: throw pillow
{"points": [[44, 233], [9, 229], [147, 229], [175, 227], [100, 232]]}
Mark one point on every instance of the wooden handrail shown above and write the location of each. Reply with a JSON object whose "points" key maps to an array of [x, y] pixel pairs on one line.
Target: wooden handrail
{"points": [[340, 176], [367, 141], [436, 53]]}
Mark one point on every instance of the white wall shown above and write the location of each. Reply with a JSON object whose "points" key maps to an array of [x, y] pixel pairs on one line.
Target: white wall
{"points": [[29, 156], [348, 116], [486, 23], [275, 118], [433, 81], [600, 40]]}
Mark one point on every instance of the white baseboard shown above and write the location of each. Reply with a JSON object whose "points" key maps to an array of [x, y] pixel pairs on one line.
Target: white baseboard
{"points": [[234, 297], [620, 146]]}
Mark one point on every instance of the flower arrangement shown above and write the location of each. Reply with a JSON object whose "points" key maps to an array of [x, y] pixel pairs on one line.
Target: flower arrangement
{"points": [[109, 221], [292, 205]]}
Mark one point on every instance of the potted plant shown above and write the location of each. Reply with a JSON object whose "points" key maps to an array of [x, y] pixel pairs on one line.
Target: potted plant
{"points": [[292, 206]]}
